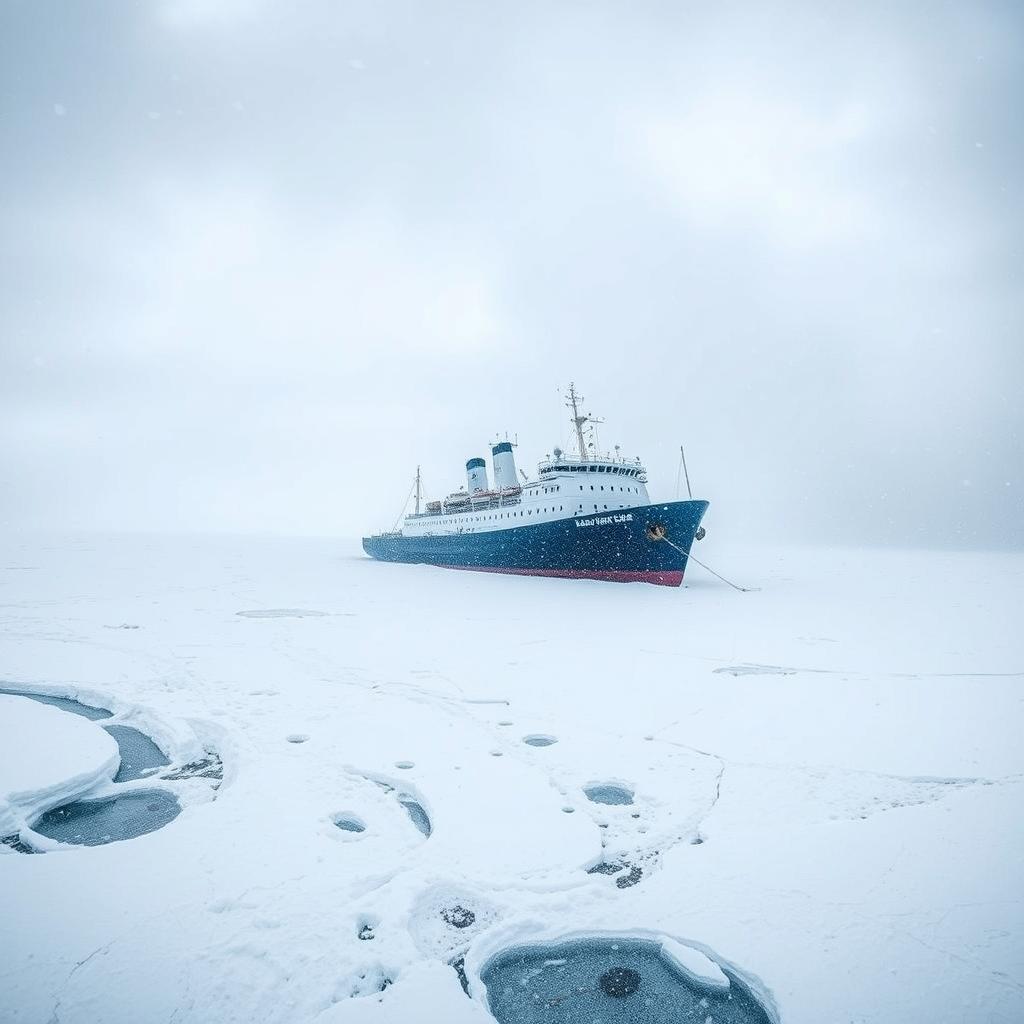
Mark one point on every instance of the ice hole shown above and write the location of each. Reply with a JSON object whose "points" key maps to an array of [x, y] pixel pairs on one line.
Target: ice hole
{"points": [[110, 819], [349, 823], [608, 793], [614, 980], [139, 754], [540, 740], [417, 814], [619, 982], [64, 703]]}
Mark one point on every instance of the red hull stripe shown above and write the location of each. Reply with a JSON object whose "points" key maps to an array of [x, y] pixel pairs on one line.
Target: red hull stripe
{"points": [[664, 578]]}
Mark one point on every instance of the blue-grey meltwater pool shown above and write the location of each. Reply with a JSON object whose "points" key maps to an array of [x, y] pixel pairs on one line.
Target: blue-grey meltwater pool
{"points": [[93, 822], [109, 819], [611, 980], [139, 754], [349, 823], [64, 703], [417, 814], [608, 793]]}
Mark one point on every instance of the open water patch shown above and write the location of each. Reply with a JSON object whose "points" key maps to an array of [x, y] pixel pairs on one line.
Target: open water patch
{"points": [[64, 704], [447, 918], [540, 740], [115, 815], [614, 981], [140, 756], [417, 815], [608, 793], [349, 823], [109, 819]]}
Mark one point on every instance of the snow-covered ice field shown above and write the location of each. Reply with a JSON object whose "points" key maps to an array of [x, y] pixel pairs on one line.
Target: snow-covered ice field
{"points": [[826, 779]]}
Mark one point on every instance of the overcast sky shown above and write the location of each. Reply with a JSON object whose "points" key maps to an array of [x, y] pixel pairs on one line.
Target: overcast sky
{"points": [[260, 259]]}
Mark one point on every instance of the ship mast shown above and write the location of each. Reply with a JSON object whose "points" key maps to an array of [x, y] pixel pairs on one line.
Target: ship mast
{"points": [[579, 420], [418, 490]]}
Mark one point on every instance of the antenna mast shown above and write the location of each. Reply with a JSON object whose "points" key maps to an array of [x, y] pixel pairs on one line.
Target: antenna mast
{"points": [[579, 421], [682, 461]]}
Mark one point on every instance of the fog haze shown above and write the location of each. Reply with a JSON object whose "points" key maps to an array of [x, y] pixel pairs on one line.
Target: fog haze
{"points": [[260, 260]]}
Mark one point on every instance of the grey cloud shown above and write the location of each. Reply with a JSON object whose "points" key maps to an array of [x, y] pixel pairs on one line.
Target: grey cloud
{"points": [[260, 260]]}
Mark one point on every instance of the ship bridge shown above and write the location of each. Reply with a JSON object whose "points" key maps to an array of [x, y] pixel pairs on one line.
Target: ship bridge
{"points": [[588, 458], [609, 465]]}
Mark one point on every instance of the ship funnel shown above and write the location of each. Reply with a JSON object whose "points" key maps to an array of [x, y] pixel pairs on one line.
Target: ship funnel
{"points": [[504, 466], [476, 476]]}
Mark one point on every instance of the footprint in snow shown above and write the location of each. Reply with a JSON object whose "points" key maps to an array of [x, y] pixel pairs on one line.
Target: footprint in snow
{"points": [[447, 917], [281, 613]]}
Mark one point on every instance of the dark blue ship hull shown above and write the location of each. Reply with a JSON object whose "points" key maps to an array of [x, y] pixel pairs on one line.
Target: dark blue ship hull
{"points": [[621, 546]]}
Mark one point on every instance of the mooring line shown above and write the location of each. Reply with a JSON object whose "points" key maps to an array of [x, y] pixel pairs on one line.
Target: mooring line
{"points": [[735, 586]]}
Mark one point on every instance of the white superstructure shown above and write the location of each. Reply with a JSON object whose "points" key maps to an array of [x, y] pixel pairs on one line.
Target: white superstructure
{"points": [[564, 487]]}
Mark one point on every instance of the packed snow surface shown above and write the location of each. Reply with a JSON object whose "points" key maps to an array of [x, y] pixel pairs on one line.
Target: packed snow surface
{"points": [[695, 964], [825, 778]]}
